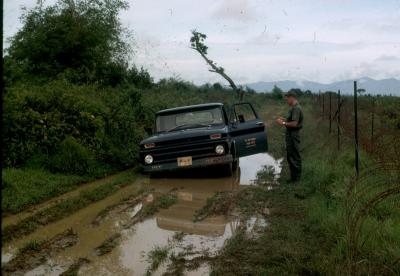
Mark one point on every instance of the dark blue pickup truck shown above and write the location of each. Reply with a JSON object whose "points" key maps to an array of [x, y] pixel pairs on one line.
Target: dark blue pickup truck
{"points": [[203, 135]]}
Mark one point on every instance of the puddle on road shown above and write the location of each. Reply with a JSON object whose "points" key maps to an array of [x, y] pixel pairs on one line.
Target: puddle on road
{"points": [[251, 165], [130, 256]]}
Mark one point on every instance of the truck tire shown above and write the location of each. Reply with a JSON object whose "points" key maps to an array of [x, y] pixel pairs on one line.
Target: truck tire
{"points": [[235, 165], [227, 169]]}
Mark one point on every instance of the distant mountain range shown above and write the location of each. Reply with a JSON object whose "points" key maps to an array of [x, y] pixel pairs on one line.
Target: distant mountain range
{"points": [[383, 87]]}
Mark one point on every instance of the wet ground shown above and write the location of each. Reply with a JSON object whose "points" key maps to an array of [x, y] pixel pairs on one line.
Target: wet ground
{"points": [[171, 229]]}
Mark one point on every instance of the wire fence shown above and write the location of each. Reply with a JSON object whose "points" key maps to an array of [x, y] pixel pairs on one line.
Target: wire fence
{"points": [[371, 122]]}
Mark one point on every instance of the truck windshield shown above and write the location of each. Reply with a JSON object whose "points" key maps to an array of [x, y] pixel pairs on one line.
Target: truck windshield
{"points": [[189, 119]]}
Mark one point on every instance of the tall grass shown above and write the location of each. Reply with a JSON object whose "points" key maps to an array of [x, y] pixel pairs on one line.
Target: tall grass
{"points": [[24, 187], [332, 223], [358, 213]]}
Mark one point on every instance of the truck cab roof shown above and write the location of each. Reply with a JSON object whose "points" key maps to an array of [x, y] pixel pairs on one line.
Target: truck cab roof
{"points": [[189, 107]]}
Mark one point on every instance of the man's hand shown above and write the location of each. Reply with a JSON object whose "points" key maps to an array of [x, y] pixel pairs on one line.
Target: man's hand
{"points": [[280, 121]]}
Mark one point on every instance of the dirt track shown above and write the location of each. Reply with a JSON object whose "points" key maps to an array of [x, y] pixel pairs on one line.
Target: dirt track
{"points": [[116, 234]]}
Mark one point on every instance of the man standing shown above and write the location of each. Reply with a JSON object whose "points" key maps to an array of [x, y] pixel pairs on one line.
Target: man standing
{"points": [[293, 124]]}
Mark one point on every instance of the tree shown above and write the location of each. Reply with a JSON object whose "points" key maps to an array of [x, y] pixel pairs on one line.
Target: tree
{"points": [[75, 39], [296, 91], [197, 43], [277, 93]]}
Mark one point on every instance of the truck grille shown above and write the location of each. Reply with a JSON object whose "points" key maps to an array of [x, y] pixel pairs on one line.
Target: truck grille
{"points": [[196, 150]]}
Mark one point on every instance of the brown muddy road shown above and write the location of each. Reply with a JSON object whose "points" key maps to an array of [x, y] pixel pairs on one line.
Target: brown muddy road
{"points": [[171, 228]]}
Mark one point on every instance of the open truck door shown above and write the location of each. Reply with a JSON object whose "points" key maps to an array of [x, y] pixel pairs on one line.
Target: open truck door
{"points": [[247, 130]]}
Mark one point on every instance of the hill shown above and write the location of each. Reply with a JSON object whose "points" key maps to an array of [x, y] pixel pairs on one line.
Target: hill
{"points": [[384, 87]]}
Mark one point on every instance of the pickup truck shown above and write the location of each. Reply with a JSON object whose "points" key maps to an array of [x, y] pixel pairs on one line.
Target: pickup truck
{"points": [[201, 136]]}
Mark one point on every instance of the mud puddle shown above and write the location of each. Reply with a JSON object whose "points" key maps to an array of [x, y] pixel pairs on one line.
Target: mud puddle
{"points": [[171, 230], [80, 222], [251, 165], [132, 256], [13, 218]]}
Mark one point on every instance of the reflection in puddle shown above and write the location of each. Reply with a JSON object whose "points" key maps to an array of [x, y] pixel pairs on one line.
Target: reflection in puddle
{"points": [[251, 165], [130, 257], [135, 210], [6, 257], [48, 269]]}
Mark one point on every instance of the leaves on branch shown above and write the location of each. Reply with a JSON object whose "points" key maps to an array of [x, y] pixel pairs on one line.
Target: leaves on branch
{"points": [[197, 43]]}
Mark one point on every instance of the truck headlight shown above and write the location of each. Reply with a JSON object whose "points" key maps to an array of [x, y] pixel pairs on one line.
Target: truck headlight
{"points": [[148, 159], [219, 149]]}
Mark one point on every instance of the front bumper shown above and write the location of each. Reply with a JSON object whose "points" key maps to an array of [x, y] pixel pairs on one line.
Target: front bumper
{"points": [[196, 163]]}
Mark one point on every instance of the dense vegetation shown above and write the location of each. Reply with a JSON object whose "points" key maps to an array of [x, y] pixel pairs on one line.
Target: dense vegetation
{"points": [[330, 224]]}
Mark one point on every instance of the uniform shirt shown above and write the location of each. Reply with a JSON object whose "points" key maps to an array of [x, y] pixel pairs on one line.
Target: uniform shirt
{"points": [[295, 114]]}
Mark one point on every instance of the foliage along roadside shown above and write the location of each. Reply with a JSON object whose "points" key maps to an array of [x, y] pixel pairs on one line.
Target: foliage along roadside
{"points": [[25, 187], [310, 225]]}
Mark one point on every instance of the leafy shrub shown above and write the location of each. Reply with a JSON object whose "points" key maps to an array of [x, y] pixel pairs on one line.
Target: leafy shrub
{"points": [[73, 158], [107, 122]]}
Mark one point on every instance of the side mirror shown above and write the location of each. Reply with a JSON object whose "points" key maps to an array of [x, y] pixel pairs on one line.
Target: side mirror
{"points": [[148, 130]]}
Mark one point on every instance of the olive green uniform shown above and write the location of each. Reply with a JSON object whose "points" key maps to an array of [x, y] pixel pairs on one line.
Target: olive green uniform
{"points": [[293, 142]]}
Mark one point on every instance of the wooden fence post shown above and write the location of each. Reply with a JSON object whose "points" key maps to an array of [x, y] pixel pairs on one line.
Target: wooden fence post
{"points": [[356, 128], [330, 112], [319, 99], [338, 120], [372, 124]]}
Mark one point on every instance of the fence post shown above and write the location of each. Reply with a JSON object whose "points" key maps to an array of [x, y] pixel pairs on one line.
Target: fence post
{"points": [[323, 104], [338, 121], [319, 98], [372, 124], [356, 128], [330, 112]]}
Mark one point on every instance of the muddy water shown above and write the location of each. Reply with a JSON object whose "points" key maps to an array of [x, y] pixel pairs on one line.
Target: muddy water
{"points": [[251, 165], [11, 219], [130, 256]]}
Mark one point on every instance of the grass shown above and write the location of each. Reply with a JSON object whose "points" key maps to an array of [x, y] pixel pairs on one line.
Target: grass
{"points": [[25, 187], [35, 253], [65, 207], [162, 202], [108, 245], [33, 245], [157, 256], [221, 203], [329, 224]]}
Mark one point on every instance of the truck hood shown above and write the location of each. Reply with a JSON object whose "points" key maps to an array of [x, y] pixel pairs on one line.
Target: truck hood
{"points": [[186, 134]]}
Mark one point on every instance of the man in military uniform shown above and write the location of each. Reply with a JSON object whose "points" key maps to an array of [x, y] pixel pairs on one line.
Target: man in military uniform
{"points": [[293, 124]]}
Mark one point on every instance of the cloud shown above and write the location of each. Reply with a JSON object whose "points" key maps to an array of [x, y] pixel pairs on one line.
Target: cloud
{"points": [[373, 70], [237, 10], [257, 40], [387, 58]]}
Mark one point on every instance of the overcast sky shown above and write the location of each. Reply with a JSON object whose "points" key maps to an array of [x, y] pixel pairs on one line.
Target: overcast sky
{"points": [[255, 40]]}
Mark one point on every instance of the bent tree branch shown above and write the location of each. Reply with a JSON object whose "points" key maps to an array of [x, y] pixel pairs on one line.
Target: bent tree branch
{"points": [[197, 44]]}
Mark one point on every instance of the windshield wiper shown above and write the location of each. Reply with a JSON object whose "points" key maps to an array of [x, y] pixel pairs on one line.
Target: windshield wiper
{"points": [[187, 126]]}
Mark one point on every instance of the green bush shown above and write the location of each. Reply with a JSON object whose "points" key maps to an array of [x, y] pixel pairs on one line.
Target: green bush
{"points": [[108, 123], [72, 157]]}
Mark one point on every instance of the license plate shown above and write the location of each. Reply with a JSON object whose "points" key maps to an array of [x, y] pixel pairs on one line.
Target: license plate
{"points": [[184, 161]]}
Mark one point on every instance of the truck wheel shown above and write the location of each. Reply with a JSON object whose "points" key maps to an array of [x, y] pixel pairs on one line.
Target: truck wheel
{"points": [[227, 169], [235, 165]]}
